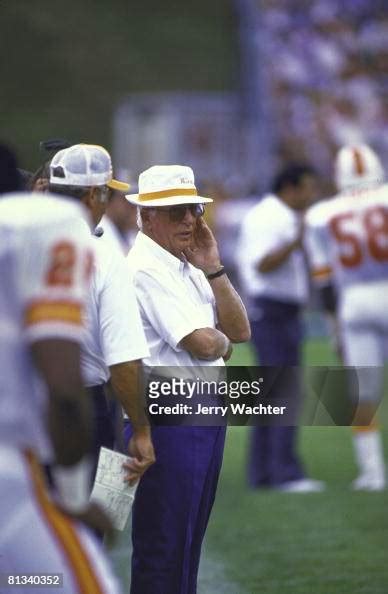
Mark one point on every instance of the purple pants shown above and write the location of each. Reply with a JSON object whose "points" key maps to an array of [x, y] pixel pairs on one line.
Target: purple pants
{"points": [[172, 508]]}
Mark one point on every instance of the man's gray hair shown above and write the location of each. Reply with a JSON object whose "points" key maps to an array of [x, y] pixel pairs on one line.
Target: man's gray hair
{"points": [[139, 220]]}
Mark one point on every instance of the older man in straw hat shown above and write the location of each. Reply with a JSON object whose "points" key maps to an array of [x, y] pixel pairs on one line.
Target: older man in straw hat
{"points": [[191, 314]]}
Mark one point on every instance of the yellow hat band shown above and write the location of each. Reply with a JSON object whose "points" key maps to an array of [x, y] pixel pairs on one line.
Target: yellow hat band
{"points": [[167, 194]]}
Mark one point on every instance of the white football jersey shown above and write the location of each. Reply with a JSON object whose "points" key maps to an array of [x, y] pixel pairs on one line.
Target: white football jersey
{"points": [[45, 263], [347, 237]]}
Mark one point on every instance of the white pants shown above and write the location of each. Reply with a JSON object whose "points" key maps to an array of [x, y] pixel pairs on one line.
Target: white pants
{"points": [[36, 538], [363, 317]]}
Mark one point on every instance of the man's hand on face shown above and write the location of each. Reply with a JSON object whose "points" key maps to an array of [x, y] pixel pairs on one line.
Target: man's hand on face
{"points": [[203, 252]]}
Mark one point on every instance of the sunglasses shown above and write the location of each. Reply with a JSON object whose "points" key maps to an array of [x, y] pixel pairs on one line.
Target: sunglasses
{"points": [[177, 213]]}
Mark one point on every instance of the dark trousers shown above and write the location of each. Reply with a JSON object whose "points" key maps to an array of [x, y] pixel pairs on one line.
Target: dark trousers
{"points": [[277, 336], [104, 425], [172, 508], [104, 418]]}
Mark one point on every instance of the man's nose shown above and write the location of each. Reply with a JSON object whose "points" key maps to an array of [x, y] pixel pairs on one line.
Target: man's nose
{"points": [[189, 217]]}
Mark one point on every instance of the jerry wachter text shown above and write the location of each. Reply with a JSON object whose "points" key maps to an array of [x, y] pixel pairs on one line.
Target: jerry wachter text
{"points": [[234, 408]]}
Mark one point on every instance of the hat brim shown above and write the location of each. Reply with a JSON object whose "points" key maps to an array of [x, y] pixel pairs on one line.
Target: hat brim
{"points": [[118, 185], [171, 201]]}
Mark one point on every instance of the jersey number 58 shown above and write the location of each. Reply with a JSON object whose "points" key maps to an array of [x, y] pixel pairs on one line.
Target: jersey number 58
{"points": [[374, 224]]}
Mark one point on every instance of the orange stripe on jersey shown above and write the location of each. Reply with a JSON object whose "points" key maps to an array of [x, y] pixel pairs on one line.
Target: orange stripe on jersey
{"points": [[321, 273], [64, 533], [48, 311], [358, 162]]}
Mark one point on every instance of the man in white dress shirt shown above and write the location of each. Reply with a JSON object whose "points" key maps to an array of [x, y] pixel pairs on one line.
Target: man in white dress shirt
{"points": [[275, 278], [115, 342], [191, 314]]}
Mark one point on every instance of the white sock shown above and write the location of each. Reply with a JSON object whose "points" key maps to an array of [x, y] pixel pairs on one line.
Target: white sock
{"points": [[368, 448]]}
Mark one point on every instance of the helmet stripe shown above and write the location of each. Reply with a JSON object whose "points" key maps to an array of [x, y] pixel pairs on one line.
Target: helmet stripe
{"points": [[358, 162]]}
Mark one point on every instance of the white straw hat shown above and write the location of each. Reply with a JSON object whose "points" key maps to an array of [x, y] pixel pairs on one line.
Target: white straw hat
{"points": [[167, 185], [84, 165]]}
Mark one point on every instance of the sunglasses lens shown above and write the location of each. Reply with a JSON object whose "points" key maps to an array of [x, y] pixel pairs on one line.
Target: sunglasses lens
{"points": [[199, 210], [178, 213]]}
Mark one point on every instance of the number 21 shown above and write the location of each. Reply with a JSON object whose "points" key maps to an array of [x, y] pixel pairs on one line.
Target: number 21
{"points": [[63, 262]]}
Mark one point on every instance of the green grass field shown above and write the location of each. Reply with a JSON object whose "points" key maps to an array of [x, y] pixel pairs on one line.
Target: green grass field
{"points": [[327, 543], [263, 542]]}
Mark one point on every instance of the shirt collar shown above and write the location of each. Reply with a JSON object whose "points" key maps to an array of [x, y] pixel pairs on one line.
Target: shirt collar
{"points": [[174, 263]]}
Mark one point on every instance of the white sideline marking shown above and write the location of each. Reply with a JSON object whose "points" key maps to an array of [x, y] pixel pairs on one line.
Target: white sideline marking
{"points": [[212, 577]]}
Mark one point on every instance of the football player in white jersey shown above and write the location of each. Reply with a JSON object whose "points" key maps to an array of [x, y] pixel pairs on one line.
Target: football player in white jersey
{"points": [[347, 241], [45, 263]]}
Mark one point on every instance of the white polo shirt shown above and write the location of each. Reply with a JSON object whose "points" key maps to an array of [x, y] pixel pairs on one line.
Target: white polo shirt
{"points": [[113, 237], [114, 329], [268, 226], [174, 298]]}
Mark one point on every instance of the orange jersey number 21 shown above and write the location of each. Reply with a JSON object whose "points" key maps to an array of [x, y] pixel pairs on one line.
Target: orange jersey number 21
{"points": [[63, 262]]}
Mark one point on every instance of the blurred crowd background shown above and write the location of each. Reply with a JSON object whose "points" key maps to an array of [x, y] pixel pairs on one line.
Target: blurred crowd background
{"points": [[316, 72], [233, 88], [327, 67]]}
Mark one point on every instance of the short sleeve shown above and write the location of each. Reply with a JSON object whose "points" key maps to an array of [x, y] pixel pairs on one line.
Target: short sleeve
{"points": [[55, 264], [121, 330]]}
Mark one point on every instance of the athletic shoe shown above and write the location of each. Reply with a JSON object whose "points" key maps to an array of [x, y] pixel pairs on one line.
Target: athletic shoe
{"points": [[304, 485], [369, 483]]}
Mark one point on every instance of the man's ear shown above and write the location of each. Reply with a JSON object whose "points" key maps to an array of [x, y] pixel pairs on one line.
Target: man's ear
{"points": [[145, 214], [89, 198]]}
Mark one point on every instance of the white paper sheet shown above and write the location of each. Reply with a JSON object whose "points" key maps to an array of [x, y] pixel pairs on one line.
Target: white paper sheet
{"points": [[110, 490]]}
